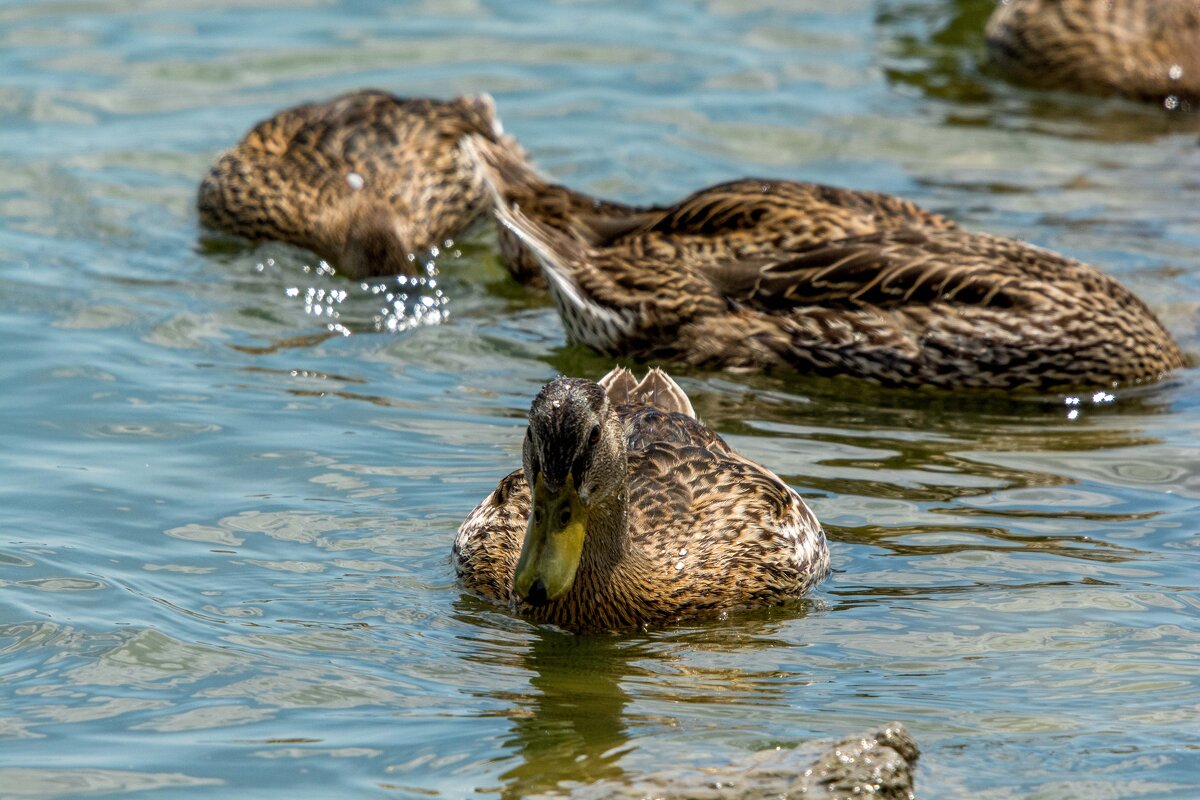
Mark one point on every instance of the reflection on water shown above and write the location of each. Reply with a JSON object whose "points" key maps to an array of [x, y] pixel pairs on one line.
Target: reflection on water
{"points": [[571, 726], [592, 701]]}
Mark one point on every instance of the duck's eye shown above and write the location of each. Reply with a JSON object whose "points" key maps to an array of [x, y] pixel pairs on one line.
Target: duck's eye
{"points": [[594, 436], [564, 517]]}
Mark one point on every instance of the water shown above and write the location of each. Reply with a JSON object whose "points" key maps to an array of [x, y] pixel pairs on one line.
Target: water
{"points": [[226, 522]]}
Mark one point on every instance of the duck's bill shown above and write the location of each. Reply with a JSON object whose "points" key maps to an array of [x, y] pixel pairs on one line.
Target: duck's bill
{"points": [[553, 544]]}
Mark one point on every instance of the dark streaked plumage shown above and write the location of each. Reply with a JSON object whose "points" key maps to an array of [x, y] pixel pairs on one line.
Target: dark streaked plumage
{"points": [[907, 307], [361, 180], [746, 218], [678, 524], [1142, 49]]}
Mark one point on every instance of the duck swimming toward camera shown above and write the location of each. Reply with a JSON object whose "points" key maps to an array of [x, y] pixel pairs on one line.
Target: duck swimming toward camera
{"points": [[638, 515], [362, 180], [1142, 49], [910, 305]]}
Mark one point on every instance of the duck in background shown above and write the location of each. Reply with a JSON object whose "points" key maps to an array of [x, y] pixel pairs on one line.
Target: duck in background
{"points": [[746, 280], [629, 512], [363, 180], [1141, 49]]}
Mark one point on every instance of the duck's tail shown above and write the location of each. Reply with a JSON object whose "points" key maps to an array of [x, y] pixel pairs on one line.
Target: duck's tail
{"points": [[592, 314], [556, 250], [481, 109], [505, 169], [657, 389], [376, 240]]}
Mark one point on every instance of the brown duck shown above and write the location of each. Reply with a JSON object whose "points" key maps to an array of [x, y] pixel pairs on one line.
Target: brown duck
{"points": [[362, 180], [638, 515], [904, 307], [1143, 49], [746, 218]]}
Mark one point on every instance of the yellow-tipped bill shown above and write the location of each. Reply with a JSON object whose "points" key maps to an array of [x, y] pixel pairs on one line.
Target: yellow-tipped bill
{"points": [[553, 544]]}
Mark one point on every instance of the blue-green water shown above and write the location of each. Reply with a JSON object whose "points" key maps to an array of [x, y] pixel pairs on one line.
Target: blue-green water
{"points": [[224, 524]]}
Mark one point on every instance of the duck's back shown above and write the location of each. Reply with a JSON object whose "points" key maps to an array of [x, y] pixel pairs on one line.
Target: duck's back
{"points": [[953, 308], [725, 532], [754, 217], [746, 218]]}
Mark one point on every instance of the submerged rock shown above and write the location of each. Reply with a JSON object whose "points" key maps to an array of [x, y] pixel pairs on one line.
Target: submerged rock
{"points": [[876, 765]]}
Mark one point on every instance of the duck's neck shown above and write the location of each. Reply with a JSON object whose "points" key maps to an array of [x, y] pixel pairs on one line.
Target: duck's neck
{"points": [[613, 571], [608, 543]]}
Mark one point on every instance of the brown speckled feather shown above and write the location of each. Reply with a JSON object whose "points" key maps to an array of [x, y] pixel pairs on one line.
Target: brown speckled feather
{"points": [[710, 531], [741, 219], [361, 180], [1142, 49], [907, 307]]}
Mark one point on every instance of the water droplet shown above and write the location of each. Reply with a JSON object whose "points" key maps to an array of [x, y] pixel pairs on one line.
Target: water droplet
{"points": [[1171, 103], [355, 180], [678, 565], [1073, 413], [1175, 72]]}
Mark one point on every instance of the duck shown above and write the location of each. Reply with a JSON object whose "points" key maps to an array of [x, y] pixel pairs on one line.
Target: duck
{"points": [[909, 307], [628, 512], [363, 180], [738, 219], [1131, 48]]}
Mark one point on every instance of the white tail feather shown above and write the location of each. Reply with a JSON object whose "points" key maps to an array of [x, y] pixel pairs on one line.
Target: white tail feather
{"points": [[504, 167]]}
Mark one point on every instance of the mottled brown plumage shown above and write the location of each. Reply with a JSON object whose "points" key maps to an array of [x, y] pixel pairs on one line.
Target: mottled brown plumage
{"points": [[361, 180], [748, 218], [680, 525], [906, 307], [1142, 49]]}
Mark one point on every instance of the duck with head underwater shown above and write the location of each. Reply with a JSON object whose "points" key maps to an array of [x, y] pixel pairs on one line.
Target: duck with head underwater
{"points": [[1140, 49], [829, 282], [629, 512], [364, 180]]}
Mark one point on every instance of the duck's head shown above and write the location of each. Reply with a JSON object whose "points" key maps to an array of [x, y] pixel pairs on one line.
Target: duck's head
{"points": [[367, 236], [574, 461], [376, 240]]}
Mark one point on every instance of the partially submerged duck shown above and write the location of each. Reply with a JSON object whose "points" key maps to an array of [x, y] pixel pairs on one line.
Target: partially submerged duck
{"points": [[747, 218], [1142, 49], [362, 180], [638, 515], [905, 307]]}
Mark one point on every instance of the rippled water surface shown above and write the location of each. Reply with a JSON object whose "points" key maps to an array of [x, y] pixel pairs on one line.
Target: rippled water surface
{"points": [[229, 481]]}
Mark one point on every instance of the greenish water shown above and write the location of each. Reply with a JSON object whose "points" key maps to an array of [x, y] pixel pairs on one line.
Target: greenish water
{"points": [[225, 524]]}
